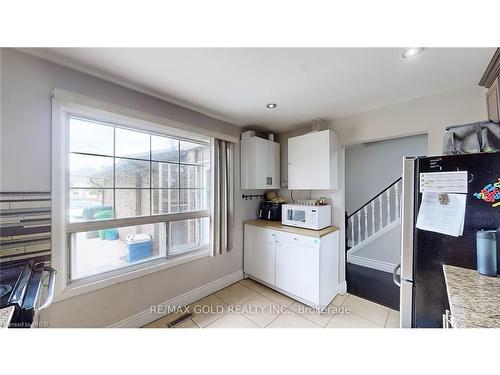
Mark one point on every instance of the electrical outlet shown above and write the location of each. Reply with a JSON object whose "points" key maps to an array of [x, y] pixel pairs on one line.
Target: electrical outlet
{"points": [[284, 184]]}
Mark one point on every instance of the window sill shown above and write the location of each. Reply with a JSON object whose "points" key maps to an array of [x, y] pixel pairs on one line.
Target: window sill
{"points": [[88, 285]]}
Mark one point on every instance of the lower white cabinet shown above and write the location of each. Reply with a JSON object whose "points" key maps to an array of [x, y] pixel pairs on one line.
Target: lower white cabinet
{"points": [[302, 267]]}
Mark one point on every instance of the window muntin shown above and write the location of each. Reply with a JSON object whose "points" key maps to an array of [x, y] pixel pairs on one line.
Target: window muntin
{"points": [[129, 174]]}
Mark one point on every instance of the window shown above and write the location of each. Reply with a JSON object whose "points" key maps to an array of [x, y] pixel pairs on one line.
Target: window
{"points": [[133, 196]]}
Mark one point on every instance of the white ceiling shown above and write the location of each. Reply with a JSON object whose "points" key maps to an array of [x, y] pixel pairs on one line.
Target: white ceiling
{"points": [[235, 84]]}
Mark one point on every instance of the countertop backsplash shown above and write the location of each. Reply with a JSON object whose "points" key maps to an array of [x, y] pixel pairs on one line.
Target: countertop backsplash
{"points": [[25, 225]]}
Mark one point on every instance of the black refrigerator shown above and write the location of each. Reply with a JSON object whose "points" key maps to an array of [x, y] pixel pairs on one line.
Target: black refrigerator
{"points": [[423, 298]]}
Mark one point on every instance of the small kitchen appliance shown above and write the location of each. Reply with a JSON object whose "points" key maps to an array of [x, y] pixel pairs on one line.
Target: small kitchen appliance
{"points": [[270, 211], [307, 216], [488, 257]]}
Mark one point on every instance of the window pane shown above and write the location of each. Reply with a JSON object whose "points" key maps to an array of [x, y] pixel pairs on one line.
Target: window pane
{"points": [[165, 201], [132, 202], [191, 152], [131, 173], [164, 149], [206, 178], [90, 204], [99, 251], [190, 176], [90, 171], [187, 235], [190, 200], [90, 137], [165, 175], [132, 144]]}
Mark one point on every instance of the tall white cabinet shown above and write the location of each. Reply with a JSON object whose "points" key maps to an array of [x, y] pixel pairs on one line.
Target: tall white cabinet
{"points": [[260, 164], [312, 161]]}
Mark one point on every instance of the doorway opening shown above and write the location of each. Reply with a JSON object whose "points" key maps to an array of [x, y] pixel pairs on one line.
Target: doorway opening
{"points": [[373, 205]]}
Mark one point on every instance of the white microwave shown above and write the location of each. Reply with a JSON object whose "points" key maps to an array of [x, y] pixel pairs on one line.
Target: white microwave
{"points": [[309, 217]]}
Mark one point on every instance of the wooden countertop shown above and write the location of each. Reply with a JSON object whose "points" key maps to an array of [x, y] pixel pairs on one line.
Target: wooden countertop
{"points": [[285, 228], [474, 298]]}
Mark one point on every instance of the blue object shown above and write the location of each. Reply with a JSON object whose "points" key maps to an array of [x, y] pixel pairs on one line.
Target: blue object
{"points": [[139, 246], [488, 252], [111, 234]]}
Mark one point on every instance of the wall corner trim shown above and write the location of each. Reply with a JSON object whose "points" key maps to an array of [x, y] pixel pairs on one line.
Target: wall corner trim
{"points": [[342, 287], [146, 316]]}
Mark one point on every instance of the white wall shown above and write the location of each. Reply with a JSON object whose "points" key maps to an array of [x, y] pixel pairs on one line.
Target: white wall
{"points": [[370, 167], [25, 132], [430, 114]]}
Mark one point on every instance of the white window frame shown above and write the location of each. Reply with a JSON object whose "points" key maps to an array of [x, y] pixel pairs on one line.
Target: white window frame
{"points": [[60, 199]]}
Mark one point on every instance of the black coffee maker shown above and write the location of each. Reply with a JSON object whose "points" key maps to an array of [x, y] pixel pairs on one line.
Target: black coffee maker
{"points": [[270, 211]]}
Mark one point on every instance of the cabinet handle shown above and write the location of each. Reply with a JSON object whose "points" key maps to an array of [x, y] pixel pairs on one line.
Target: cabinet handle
{"points": [[269, 180]]}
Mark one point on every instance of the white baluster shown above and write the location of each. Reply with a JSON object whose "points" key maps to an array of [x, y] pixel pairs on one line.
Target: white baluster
{"points": [[381, 221], [359, 226], [373, 217], [388, 206], [366, 222], [396, 200], [352, 231]]}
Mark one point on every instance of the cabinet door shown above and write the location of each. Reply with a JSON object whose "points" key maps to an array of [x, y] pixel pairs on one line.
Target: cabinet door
{"points": [[311, 161], [259, 253], [273, 165], [261, 160], [254, 163], [493, 101], [297, 270]]}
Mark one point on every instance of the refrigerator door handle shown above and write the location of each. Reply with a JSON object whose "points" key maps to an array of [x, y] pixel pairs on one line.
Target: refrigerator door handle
{"points": [[407, 218], [395, 275]]}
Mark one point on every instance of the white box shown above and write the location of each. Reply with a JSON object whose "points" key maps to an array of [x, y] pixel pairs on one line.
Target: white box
{"points": [[248, 134]]}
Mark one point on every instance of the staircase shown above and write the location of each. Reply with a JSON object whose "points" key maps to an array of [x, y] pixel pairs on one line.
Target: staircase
{"points": [[375, 217]]}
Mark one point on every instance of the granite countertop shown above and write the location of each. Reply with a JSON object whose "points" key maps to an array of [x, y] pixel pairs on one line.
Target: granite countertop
{"points": [[286, 228], [474, 298], [6, 316]]}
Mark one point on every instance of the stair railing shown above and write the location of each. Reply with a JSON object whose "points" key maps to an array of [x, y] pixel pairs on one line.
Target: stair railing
{"points": [[376, 214]]}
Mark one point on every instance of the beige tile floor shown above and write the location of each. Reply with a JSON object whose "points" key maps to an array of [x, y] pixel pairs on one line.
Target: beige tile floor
{"points": [[248, 304]]}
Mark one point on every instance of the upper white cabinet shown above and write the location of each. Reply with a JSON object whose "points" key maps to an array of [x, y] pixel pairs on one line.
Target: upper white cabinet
{"points": [[260, 164], [312, 161]]}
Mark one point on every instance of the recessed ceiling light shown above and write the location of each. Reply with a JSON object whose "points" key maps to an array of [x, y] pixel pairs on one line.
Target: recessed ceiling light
{"points": [[410, 52], [271, 105]]}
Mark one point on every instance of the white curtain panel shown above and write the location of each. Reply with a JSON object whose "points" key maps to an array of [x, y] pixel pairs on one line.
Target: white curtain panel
{"points": [[223, 209]]}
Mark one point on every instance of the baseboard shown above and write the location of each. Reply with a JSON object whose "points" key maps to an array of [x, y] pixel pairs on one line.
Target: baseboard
{"points": [[145, 317], [342, 287]]}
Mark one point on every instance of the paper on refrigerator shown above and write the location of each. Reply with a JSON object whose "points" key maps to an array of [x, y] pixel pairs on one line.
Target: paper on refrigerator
{"points": [[442, 218], [444, 182]]}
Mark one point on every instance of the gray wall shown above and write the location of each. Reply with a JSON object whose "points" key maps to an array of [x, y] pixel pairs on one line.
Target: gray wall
{"points": [[25, 132], [371, 167]]}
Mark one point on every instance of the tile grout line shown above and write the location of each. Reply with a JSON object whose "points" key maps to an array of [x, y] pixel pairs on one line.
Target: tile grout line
{"points": [[387, 319], [369, 319]]}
